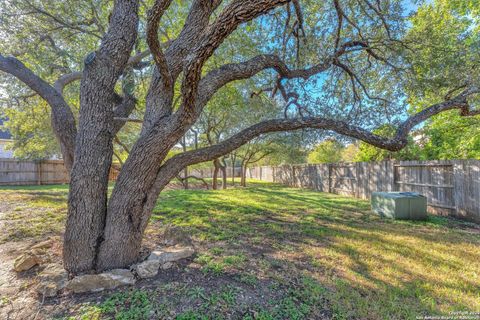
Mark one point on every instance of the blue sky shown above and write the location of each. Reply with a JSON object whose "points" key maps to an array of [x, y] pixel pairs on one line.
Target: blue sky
{"points": [[410, 6]]}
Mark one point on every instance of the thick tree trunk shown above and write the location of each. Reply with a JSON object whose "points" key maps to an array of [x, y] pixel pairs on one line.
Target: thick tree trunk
{"points": [[126, 215], [87, 203]]}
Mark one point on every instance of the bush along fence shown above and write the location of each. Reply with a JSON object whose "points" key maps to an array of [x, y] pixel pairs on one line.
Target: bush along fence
{"points": [[452, 187], [19, 172]]}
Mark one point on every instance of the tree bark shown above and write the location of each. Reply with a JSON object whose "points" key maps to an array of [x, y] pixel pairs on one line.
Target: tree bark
{"points": [[62, 119], [87, 201], [125, 218]]}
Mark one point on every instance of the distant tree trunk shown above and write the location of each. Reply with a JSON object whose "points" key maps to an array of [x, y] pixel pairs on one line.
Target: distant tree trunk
{"points": [[216, 170], [233, 158], [185, 175], [223, 167], [243, 179], [185, 171]]}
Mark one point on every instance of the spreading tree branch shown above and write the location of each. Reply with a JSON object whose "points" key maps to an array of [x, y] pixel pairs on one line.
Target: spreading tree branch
{"points": [[153, 20], [63, 121], [232, 16], [399, 141]]}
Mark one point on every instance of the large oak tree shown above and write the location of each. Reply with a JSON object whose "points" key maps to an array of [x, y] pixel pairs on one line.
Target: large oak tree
{"points": [[351, 50]]}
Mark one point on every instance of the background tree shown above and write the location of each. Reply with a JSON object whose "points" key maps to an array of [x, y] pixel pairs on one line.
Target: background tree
{"points": [[31, 132], [218, 122], [350, 152], [287, 148], [331, 65], [328, 151], [445, 44], [252, 153], [367, 152]]}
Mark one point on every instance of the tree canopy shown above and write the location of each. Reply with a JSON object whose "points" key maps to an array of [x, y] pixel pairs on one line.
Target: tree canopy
{"points": [[339, 67]]}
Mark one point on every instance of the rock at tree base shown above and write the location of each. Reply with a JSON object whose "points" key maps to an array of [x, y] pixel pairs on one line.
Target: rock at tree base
{"points": [[120, 277], [161, 257], [53, 279], [147, 269], [43, 245], [25, 262], [173, 254], [99, 282], [174, 235]]}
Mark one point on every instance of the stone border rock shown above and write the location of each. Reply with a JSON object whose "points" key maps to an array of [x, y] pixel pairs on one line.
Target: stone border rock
{"points": [[32, 256], [163, 258], [54, 278]]}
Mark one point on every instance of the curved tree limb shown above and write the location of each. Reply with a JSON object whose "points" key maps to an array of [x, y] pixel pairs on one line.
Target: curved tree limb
{"points": [[175, 54], [183, 179], [393, 144], [173, 165], [153, 20], [232, 16], [63, 121], [219, 77]]}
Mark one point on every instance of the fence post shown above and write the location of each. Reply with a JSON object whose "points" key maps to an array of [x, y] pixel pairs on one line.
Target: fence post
{"points": [[356, 184], [393, 169], [294, 184], [38, 165], [458, 182], [329, 178]]}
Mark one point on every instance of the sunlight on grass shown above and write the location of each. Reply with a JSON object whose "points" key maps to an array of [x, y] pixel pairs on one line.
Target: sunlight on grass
{"points": [[375, 268], [32, 212]]}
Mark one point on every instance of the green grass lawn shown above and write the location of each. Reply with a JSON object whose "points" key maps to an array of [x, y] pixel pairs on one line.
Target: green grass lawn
{"points": [[271, 252]]}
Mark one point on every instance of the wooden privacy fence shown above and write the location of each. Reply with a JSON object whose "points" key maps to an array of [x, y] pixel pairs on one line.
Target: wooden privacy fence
{"points": [[208, 172], [452, 187], [19, 172]]}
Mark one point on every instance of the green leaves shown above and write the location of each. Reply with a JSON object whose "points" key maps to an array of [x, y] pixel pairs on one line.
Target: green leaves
{"points": [[446, 41], [328, 151], [29, 124], [370, 153]]}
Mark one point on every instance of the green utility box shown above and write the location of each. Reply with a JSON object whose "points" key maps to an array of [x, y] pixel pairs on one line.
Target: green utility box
{"points": [[400, 205]]}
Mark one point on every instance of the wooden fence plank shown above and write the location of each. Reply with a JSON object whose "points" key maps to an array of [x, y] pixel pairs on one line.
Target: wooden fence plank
{"points": [[22, 172]]}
